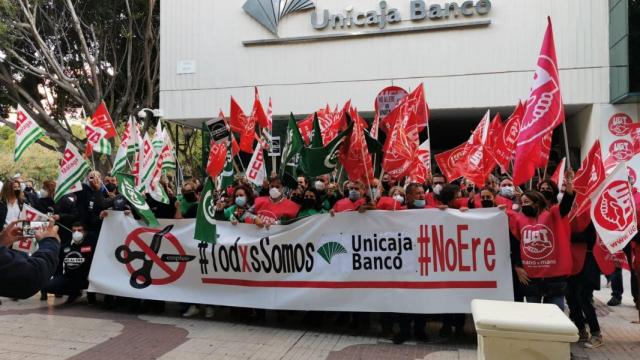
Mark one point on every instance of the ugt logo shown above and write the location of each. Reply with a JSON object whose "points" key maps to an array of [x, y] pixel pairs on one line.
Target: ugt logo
{"points": [[269, 12]]}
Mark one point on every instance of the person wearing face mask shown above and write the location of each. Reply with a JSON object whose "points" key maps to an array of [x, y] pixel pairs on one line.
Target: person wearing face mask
{"points": [[501, 201], [542, 234], [238, 211], [387, 183], [355, 200], [11, 201], [93, 199], [30, 195], [76, 263], [45, 202], [437, 184], [395, 200], [275, 208], [187, 203], [310, 205], [549, 189]]}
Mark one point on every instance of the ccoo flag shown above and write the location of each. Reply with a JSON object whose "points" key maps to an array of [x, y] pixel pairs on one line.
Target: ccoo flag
{"points": [[544, 111], [27, 132], [73, 168], [127, 187], [205, 220]]}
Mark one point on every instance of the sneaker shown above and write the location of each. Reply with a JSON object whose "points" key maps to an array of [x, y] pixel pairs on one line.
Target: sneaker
{"points": [[209, 312], [584, 336], [191, 311], [72, 298], [595, 342], [614, 301]]}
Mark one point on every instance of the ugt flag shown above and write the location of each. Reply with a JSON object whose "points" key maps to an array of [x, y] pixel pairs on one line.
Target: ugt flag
{"points": [[613, 210], [27, 132], [544, 112]]}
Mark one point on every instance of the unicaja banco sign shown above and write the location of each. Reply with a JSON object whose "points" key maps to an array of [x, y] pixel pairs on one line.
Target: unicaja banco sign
{"points": [[270, 12]]}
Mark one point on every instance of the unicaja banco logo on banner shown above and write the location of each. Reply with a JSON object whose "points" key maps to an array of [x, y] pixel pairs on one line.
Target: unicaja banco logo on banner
{"points": [[380, 17]]}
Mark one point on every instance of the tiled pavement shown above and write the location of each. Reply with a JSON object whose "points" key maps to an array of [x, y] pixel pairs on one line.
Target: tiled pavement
{"points": [[31, 329]]}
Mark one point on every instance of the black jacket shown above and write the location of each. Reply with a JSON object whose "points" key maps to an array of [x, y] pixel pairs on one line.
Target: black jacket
{"points": [[21, 276]]}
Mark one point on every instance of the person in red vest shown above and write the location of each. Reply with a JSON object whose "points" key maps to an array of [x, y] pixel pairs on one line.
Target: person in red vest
{"points": [[544, 260], [492, 183], [394, 201], [437, 183], [275, 208], [355, 201]]}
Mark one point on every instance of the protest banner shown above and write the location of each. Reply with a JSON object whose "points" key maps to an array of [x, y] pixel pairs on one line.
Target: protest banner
{"points": [[415, 261]]}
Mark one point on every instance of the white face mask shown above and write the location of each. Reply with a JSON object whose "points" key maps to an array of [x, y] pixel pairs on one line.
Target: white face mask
{"points": [[398, 198], [507, 191], [44, 193], [275, 193], [437, 189], [560, 195], [319, 185], [77, 237]]}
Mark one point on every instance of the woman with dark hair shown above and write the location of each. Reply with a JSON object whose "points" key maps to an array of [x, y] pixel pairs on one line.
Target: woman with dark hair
{"points": [[11, 200], [311, 204], [542, 234], [550, 190], [242, 199]]}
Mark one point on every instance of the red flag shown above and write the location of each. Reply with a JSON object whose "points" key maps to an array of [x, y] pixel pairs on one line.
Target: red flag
{"points": [[448, 160], [544, 112], [477, 164], [421, 169], [590, 175], [258, 113], [94, 134], [355, 156], [400, 150], [270, 115], [608, 262], [217, 158], [418, 114], [243, 125], [558, 175], [505, 142], [102, 119], [331, 123]]}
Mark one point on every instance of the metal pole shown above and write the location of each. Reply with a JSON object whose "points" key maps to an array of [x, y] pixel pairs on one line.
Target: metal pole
{"points": [[566, 142]]}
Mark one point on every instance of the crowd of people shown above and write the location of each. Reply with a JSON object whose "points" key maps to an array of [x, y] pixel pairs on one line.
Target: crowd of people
{"points": [[80, 217]]}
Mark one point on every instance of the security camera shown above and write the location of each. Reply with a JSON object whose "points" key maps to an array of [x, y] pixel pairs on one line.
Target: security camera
{"points": [[142, 114]]}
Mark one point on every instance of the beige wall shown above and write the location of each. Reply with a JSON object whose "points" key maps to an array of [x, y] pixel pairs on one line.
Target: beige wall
{"points": [[470, 68]]}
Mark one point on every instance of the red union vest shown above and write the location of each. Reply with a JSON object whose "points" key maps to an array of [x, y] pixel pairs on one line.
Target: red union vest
{"points": [[270, 212], [544, 244]]}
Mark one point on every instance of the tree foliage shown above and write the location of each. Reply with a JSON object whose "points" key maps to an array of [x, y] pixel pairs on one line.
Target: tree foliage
{"points": [[59, 55]]}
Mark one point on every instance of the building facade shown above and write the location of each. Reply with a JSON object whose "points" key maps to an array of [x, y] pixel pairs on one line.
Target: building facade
{"points": [[470, 55]]}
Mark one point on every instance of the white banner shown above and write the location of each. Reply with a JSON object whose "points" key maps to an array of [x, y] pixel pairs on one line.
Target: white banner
{"points": [[418, 261]]}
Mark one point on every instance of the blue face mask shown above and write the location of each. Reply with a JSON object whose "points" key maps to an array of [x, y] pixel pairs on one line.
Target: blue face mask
{"points": [[354, 195], [419, 203], [241, 201]]}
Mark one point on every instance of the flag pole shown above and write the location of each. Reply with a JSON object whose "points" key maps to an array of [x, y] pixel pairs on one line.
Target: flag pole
{"points": [[430, 153], [566, 143]]}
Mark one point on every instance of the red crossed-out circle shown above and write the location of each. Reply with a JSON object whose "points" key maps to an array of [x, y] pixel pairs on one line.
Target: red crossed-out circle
{"points": [[172, 274]]}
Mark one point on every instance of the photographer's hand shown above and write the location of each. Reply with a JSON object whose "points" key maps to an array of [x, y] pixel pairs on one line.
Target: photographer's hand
{"points": [[48, 231], [11, 234]]}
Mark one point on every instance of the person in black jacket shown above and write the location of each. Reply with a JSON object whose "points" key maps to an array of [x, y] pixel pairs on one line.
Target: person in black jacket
{"points": [[76, 262], [94, 198], [45, 203], [21, 275]]}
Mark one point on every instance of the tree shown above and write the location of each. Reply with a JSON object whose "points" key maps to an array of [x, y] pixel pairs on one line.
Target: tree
{"points": [[59, 55]]}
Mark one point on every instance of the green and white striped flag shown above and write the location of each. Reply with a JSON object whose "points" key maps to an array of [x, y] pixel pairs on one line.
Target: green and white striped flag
{"points": [[148, 159], [73, 168], [158, 138], [96, 140], [128, 145], [27, 132], [168, 159]]}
